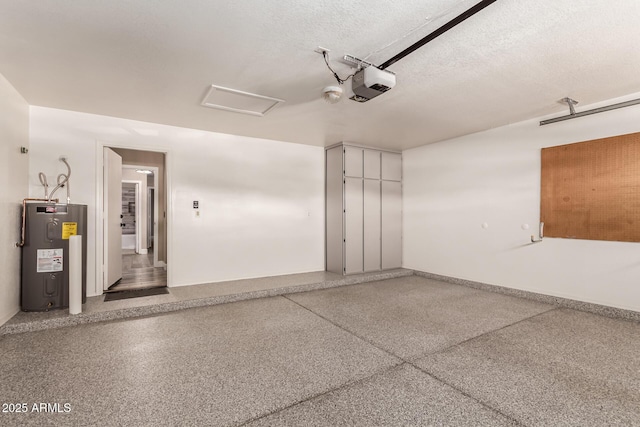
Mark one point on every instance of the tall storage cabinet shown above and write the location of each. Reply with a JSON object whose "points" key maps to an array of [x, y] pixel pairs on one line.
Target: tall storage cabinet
{"points": [[364, 209]]}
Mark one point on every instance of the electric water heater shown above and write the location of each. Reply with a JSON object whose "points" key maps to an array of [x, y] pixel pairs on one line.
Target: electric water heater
{"points": [[45, 254]]}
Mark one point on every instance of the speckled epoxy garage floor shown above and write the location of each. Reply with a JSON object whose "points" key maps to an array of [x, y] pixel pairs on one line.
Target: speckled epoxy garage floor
{"points": [[406, 351]]}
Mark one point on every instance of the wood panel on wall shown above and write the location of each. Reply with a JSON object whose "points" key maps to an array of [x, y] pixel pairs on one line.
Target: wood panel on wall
{"points": [[591, 190]]}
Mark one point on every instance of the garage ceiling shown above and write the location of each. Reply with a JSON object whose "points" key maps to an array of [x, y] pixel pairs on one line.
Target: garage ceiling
{"points": [[155, 61]]}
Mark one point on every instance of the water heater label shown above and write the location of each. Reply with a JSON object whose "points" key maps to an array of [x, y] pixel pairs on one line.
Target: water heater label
{"points": [[49, 260], [69, 229]]}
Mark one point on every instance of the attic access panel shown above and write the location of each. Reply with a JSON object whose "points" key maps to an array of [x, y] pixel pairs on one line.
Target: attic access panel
{"points": [[237, 101], [591, 190]]}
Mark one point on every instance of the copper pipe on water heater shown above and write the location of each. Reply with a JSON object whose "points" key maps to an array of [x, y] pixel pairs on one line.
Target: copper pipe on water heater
{"points": [[24, 216]]}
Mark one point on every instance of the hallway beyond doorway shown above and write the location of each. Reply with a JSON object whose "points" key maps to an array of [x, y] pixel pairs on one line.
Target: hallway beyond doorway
{"points": [[138, 272]]}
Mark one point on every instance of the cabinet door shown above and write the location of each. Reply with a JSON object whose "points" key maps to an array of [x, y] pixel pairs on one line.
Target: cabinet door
{"points": [[392, 167], [391, 224], [334, 211], [353, 162], [372, 164], [372, 225], [353, 225]]}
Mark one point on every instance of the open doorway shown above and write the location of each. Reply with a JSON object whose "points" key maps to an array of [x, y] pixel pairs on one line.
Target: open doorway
{"points": [[135, 229]]}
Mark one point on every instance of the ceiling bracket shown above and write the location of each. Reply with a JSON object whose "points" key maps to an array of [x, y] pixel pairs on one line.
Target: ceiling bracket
{"points": [[571, 103], [354, 62], [575, 115]]}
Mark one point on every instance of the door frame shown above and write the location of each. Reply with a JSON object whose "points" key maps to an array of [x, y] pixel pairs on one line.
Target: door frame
{"points": [[99, 214]]}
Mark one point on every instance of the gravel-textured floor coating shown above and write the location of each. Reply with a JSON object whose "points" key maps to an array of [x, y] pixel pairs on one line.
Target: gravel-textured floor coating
{"points": [[413, 316], [563, 367], [209, 366], [403, 396], [399, 352]]}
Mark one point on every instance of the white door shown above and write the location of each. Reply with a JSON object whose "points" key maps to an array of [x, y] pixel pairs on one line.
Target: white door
{"points": [[112, 218]]}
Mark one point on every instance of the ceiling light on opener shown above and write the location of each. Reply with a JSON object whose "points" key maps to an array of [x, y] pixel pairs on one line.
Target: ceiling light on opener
{"points": [[332, 94]]}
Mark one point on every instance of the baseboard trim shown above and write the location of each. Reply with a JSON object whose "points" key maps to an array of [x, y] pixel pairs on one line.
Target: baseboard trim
{"points": [[602, 310], [4, 319]]}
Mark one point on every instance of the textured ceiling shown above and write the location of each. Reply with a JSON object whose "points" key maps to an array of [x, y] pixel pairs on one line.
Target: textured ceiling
{"points": [[154, 61]]}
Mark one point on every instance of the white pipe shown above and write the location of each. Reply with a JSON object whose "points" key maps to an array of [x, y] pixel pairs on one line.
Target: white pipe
{"points": [[75, 274], [45, 184], [63, 180], [67, 180]]}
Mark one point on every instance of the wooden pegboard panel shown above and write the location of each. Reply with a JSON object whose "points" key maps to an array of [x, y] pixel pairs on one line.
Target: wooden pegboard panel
{"points": [[591, 190]]}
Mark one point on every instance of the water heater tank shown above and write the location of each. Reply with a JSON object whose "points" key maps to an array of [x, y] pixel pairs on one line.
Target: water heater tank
{"points": [[45, 254]]}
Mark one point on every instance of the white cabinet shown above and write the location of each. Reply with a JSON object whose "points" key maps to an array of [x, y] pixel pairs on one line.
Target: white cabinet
{"points": [[371, 161], [391, 224], [364, 209], [334, 176], [353, 162], [372, 225], [391, 167], [353, 228]]}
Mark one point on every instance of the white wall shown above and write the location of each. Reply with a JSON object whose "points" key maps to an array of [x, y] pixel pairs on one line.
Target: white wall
{"points": [[261, 201], [14, 167], [452, 187]]}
